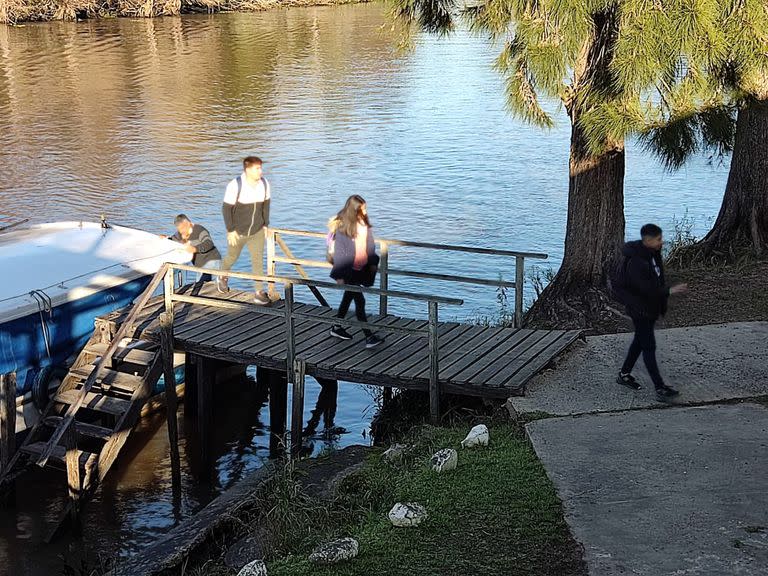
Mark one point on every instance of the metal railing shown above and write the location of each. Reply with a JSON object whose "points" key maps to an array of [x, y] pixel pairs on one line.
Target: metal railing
{"points": [[275, 240]]}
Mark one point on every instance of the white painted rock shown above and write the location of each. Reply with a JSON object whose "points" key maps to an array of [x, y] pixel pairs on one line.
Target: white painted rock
{"points": [[255, 568], [395, 453], [478, 436], [336, 551], [407, 514], [445, 460]]}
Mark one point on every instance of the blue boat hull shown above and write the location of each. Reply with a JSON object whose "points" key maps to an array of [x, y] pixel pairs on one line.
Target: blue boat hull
{"points": [[22, 341]]}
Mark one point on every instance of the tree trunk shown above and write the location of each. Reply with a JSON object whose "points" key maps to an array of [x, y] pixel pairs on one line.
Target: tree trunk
{"points": [[742, 224], [578, 296]]}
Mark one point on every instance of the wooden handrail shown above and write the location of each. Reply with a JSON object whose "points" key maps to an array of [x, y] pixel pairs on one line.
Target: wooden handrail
{"points": [[427, 245], [321, 284]]}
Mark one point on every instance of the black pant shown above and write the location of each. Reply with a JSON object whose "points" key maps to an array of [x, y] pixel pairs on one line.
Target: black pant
{"points": [[645, 342], [359, 301]]}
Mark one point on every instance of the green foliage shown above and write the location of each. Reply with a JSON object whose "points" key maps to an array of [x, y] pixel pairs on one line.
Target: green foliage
{"points": [[496, 514], [667, 69]]}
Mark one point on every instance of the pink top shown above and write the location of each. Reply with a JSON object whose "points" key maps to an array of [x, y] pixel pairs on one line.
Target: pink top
{"points": [[361, 247]]}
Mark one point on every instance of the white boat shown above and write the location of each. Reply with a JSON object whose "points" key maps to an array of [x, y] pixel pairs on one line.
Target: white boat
{"points": [[59, 278]]}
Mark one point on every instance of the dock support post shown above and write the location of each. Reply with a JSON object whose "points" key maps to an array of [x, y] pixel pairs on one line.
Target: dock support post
{"points": [[383, 278], [74, 482], [206, 374], [434, 366], [519, 284], [7, 419], [292, 370], [190, 385], [271, 238], [278, 410], [171, 402], [297, 400]]}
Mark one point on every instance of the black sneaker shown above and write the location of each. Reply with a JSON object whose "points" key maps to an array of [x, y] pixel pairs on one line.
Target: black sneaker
{"points": [[664, 393], [340, 333], [628, 380], [372, 341]]}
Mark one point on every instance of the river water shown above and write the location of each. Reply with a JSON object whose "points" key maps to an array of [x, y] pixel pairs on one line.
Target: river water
{"points": [[142, 119]]}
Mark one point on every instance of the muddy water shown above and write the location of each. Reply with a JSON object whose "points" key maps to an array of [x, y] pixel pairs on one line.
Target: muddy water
{"points": [[142, 119]]}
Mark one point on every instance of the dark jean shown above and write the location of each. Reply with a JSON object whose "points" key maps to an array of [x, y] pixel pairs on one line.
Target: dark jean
{"points": [[645, 342], [359, 299]]}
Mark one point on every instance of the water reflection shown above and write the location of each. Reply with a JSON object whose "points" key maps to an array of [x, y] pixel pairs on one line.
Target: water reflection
{"points": [[143, 119]]}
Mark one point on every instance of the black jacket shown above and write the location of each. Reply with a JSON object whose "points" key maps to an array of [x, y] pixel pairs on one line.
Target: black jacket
{"points": [[201, 239], [644, 293]]}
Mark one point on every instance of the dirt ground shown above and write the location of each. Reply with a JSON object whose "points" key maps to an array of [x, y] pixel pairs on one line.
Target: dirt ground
{"points": [[719, 295], [716, 295]]}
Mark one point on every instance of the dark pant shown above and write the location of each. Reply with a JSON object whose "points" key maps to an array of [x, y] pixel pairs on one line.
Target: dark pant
{"points": [[645, 342], [359, 299]]}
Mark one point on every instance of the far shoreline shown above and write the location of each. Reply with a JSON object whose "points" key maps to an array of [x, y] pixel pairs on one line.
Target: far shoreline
{"points": [[19, 12]]}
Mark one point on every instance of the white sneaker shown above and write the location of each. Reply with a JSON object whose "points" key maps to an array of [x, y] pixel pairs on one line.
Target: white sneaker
{"points": [[262, 298]]}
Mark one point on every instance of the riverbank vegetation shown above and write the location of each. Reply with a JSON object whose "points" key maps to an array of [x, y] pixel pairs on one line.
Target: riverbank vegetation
{"points": [[17, 11], [496, 514], [621, 69]]}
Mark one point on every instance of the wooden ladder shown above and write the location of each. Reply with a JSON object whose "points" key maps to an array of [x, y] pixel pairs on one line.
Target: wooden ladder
{"points": [[89, 419]]}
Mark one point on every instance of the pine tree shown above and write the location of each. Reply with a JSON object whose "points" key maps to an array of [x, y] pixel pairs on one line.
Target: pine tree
{"points": [[741, 74], [609, 62]]}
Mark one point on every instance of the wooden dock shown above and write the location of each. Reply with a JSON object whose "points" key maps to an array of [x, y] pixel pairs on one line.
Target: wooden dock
{"points": [[474, 360], [94, 410]]}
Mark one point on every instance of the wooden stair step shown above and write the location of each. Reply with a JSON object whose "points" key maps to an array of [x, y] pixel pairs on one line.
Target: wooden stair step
{"points": [[95, 401], [83, 428], [110, 378], [59, 453], [135, 355]]}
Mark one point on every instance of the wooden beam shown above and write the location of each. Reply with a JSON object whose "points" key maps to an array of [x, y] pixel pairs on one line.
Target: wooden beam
{"points": [[318, 283], [287, 251], [171, 402], [278, 409], [384, 279], [428, 245], [519, 283], [7, 420], [434, 366], [451, 278], [297, 401], [206, 374], [74, 482]]}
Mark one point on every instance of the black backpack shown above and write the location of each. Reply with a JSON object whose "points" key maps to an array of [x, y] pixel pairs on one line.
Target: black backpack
{"points": [[618, 281]]}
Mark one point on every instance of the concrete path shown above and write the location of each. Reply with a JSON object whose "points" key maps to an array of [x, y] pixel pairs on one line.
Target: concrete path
{"points": [[682, 491], [706, 363]]}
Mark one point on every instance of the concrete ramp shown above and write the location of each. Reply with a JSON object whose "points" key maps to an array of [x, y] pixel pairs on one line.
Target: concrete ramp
{"points": [[676, 492]]}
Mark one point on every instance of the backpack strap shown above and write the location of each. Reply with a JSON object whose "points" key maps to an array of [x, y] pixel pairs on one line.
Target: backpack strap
{"points": [[239, 189]]}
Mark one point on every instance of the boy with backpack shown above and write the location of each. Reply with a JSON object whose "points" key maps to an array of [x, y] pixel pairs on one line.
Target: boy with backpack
{"points": [[246, 217], [639, 284]]}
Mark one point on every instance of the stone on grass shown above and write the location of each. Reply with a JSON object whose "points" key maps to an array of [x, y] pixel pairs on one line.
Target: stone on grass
{"points": [[478, 436], [336, 551], [407, 514], [394, 453], [255, 568], [445, 460]]}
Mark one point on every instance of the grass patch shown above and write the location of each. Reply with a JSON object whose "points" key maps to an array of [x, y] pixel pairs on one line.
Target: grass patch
{"points": [[497, 514]]}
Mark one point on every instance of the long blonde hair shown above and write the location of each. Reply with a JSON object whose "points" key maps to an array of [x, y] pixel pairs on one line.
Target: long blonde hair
{"points": [[347, 218]]}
